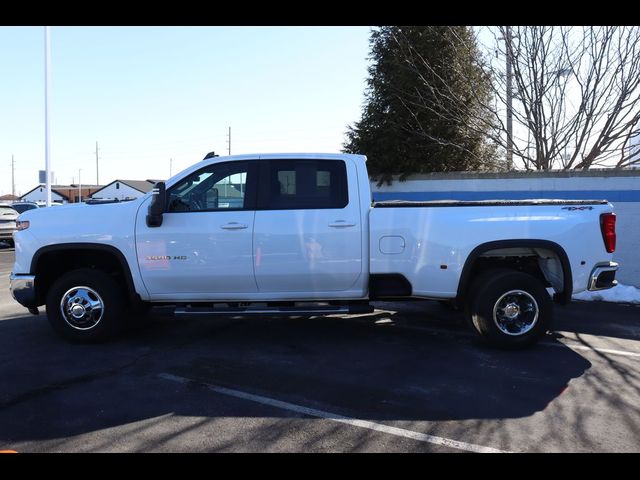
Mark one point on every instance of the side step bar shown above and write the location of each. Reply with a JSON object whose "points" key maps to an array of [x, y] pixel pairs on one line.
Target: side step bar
{"points": [[301, 310]]}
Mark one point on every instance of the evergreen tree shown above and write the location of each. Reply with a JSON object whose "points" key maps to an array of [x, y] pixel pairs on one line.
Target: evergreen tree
{"points": [[421, 112]]}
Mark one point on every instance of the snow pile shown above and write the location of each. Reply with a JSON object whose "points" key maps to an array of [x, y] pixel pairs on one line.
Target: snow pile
{"points": [[619, 294]]}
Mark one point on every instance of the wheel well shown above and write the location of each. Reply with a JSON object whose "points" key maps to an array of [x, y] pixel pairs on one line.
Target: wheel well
{"points": [[50, 264], [521, 263], [542, 259]]}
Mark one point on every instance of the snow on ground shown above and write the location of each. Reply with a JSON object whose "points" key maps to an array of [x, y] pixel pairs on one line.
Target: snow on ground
{"points": [[619, 294]]}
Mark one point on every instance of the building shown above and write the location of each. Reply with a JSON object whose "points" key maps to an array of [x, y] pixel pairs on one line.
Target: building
{"points": [[634, 147], [124, 189], [8, 198], [60, 193]]}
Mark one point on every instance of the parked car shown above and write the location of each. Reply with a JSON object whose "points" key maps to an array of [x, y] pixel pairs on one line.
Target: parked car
{"points": [[297, 234], [8, 216], [21, 207]]}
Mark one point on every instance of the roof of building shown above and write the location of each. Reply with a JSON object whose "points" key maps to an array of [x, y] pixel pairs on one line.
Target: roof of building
{"points": [[142, 186], [8, 196], [65, 190], [53, 189]]}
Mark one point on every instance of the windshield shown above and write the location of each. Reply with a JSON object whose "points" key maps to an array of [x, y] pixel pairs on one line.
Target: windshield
{"points": [[23, 207]]}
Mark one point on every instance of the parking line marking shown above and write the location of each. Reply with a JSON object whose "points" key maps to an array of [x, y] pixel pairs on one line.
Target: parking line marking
{"points": [[399, 432], [595, 349]]}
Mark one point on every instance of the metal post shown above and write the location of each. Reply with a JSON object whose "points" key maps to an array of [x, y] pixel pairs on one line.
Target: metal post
{"points": [[97, 176], [509, 100], [13, 177], [47, 80], [79, 186], [229, 140]]}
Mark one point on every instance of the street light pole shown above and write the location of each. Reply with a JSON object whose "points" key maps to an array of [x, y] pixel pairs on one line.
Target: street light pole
{"points": [[47, 80]]}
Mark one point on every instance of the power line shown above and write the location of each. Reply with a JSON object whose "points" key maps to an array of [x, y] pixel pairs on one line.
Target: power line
{"points": [[164, 144]]}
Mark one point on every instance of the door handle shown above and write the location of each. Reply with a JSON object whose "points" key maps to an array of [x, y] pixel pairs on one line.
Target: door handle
{"points": [[234, 226], [342, 224]]}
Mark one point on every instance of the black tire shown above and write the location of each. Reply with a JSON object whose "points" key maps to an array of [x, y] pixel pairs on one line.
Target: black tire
{"points": [[138, 315], [110, 296], [448, 304], [526, 310]]}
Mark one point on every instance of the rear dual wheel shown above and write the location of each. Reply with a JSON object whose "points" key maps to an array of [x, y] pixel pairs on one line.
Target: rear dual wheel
{"points": [[509, 309]]}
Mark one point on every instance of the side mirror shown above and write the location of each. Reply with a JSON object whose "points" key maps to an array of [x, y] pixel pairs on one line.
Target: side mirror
{"points": [[157, 205]]}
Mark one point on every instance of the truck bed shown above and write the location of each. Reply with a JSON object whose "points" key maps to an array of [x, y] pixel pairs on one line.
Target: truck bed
{"points": [[429, 246]]}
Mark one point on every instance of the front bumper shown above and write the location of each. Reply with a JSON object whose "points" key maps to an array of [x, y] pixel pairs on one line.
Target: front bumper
{"points": [[23, 289], [603, 276]]}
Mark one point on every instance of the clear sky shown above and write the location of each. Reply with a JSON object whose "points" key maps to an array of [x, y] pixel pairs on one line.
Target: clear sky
{"points": [[148, 94]]}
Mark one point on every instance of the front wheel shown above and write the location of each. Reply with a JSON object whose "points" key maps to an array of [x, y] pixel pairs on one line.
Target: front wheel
{"points": [[509, 309], [85, 305]]}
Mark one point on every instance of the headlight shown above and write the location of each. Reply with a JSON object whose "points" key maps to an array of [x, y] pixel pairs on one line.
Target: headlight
{"points": [[22, 224]]}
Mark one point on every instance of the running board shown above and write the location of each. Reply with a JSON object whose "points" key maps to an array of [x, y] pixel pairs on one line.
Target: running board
{"points": [[242, 311]]}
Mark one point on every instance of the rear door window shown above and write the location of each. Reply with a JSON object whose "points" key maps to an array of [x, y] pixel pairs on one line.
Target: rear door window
{"points": [[303, 184]]}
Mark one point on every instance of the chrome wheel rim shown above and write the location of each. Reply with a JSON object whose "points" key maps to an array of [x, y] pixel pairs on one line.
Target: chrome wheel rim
{"points": [[82, 308], [515, 312]]}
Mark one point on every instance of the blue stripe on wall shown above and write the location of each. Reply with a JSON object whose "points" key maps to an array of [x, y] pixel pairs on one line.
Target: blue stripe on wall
{"points": [[611, 195]]}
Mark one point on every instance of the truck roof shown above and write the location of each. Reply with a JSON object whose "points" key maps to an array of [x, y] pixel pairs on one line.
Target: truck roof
{"points": [[358, 159], [294, 155]]}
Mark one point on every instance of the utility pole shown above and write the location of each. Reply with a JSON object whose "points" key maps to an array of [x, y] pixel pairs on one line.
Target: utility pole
{"points": [[13, 177], [509, 100], [47, 80], [229, 141], [170, 166], [97, 175], [79, 185]]}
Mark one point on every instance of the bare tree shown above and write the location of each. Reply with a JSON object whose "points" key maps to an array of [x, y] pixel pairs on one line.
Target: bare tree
{"points": [[576, 94]]}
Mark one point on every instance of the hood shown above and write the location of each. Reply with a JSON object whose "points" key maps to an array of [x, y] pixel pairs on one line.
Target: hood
{"points": [[83, 222], [6, 214]]}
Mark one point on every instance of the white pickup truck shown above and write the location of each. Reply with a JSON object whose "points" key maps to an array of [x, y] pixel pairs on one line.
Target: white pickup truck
{"points": [[299, 234]]}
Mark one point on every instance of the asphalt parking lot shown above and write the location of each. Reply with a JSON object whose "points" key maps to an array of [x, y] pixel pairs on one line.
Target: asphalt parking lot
{"points": [[407, 378]]}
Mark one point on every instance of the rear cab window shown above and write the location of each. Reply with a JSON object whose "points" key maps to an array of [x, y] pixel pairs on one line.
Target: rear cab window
{"points": [[303, 184]]}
